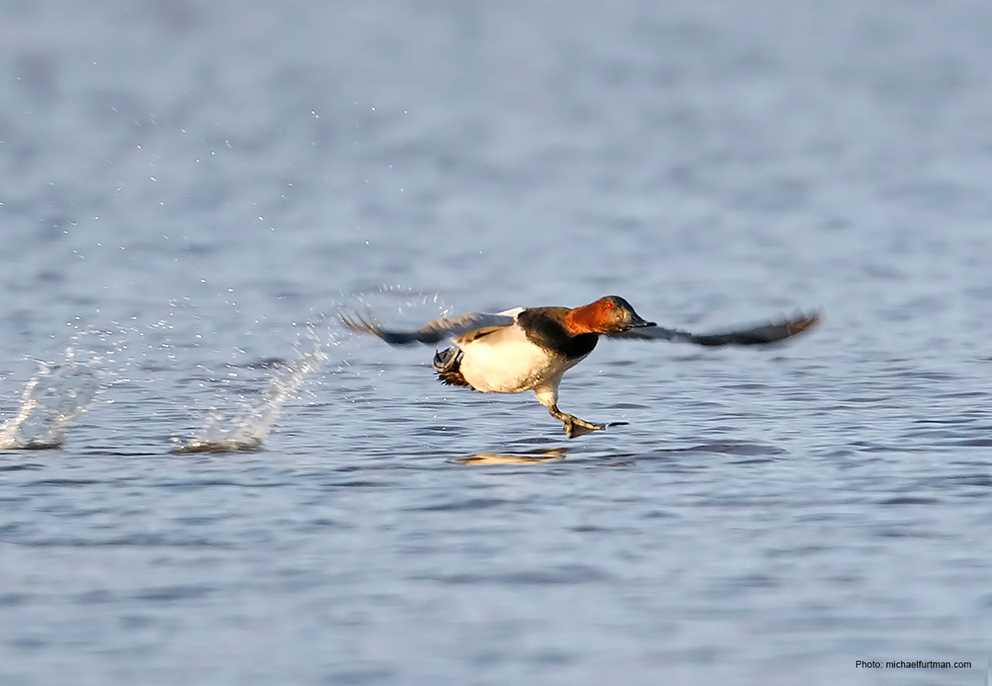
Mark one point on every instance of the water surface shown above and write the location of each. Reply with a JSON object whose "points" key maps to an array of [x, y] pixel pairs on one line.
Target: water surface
{"points": [[192, 190]]}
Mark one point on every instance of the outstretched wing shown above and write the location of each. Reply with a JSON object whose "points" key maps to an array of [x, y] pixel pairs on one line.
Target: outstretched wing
{"points": [[465, 327], [752, 335]]}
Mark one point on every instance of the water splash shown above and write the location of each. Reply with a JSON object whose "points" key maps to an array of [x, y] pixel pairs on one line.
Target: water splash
{"points": [[247, 430], [51, 401], [406, 303]]}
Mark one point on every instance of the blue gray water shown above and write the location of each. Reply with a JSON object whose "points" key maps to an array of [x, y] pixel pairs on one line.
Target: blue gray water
{"points": [[191, 189]]}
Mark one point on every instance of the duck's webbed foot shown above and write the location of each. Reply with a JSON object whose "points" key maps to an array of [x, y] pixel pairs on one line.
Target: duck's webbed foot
{"points": [[570, 422]]}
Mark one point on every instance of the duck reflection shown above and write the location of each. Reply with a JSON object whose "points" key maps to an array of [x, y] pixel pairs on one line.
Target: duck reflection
{"points": [[533, 457]]}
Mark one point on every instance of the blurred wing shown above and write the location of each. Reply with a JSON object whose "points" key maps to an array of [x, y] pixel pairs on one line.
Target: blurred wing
{"points": [[754, 335], [467, 326]]}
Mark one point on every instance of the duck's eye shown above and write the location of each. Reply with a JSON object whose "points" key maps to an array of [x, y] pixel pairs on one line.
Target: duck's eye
{"points": [[609, 305]]}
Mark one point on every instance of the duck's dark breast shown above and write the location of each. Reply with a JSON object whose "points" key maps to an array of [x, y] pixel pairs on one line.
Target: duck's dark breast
{"points": [[543, 326]]}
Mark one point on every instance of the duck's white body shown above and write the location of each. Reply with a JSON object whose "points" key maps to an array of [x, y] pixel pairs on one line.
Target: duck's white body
{"points": [[506, 361]]}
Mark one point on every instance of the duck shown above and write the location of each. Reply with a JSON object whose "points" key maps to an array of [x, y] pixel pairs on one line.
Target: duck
{"points": [[531, 348]]}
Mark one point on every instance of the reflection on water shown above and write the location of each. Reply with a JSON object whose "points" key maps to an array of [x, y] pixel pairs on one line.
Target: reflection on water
{"points": [[537, 457]]}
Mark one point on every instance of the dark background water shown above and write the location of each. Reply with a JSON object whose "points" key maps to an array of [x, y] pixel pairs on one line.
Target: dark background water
{"points": [[187, 184]]}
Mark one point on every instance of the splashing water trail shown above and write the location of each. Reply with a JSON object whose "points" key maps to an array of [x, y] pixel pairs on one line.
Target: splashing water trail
{"points": [[51, 401], [248, 430], [412, 304]]}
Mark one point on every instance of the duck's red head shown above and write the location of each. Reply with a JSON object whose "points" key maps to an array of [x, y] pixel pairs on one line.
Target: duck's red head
{"points": [[611, 314]]}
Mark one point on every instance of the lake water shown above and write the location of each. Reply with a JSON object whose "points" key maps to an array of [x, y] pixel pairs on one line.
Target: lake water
{"points": [[191, 191]]}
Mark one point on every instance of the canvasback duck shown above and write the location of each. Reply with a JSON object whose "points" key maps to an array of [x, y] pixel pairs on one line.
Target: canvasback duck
{"points": [[530, 349]]}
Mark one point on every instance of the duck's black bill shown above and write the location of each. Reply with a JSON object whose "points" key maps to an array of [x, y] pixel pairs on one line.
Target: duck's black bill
{"points": [[637, 323]]}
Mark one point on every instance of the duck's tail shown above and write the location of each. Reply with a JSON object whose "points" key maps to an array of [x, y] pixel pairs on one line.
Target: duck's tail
{"points": [[447, 365]]}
